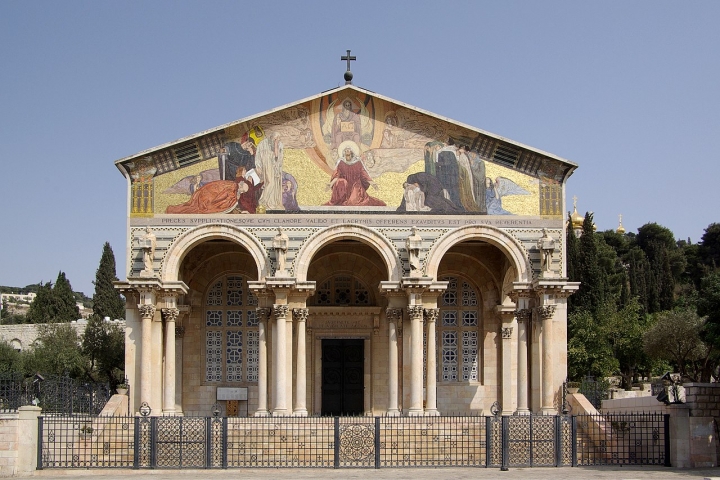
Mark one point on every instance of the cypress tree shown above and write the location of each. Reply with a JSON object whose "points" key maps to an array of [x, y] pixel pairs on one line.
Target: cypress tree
{"points": [[107, 302], [43, 308], [573, 259], [591, 294], [64, 299]]}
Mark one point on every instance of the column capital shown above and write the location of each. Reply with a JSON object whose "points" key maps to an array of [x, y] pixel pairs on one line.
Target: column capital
{"points": [[523, 315], [300, 314], [431, 315], [280, 311], [415, 312], [170, 314], [394, 314], [146, 310], [506, 333], [546, 312], [263, 314]]}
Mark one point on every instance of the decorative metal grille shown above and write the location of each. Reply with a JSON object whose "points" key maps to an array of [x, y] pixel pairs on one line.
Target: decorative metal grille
{"points": [[221, 442], [459, 323], [230, 322], [343, 289]]}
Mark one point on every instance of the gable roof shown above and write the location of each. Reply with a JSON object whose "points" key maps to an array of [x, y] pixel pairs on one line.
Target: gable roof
{"points": [[503, 151]]}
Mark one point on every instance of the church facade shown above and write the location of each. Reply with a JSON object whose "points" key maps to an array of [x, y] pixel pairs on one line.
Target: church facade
{"points": [[346, 254]]}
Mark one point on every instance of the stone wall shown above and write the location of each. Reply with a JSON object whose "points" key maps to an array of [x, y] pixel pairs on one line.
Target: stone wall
{"points": [[22, 337], [703, 399]]}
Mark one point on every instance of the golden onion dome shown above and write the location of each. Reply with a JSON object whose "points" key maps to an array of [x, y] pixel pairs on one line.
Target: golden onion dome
{"points": [[576, 219], [620, 228]]}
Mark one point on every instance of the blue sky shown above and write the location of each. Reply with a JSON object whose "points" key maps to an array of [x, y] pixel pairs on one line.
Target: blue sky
{"points": [[627, 90]]}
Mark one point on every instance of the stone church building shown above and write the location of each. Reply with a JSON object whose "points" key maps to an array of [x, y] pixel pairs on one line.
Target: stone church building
{"points": [[345, 254]]}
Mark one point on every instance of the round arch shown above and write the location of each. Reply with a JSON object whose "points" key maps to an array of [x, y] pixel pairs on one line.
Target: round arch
{"points": [[494, 236], [189, 239], [368, 236]]}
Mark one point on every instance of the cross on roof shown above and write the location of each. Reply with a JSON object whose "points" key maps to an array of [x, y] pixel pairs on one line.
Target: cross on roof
{"points": [[348, 73]]}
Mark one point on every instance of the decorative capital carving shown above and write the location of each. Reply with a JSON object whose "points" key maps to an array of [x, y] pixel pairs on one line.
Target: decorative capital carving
{"points": [[415, 312], [300, 314], [280, 311], [170, 314], [263, 314], [546, 312], [146, 310], [506, 332], [431, 315], [394, 314], [523, 315]]}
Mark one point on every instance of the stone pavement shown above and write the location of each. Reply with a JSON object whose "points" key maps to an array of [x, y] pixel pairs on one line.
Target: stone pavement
{"points": [[579, 473]]}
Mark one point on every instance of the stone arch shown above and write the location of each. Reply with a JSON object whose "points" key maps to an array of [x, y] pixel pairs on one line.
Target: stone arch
{"points": [[189, 239], [368, 236], [494, 236]]}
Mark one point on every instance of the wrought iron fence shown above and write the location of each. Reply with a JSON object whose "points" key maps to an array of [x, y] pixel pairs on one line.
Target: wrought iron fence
{"points": [[595, 390], [359, 442], [54, 394]]}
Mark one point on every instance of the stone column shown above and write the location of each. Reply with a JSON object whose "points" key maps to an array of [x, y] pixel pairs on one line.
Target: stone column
{"points": [[170, 315], [416, 360], [263, 314], [547, 407], [394, 316], [147, 312], [523, 320], [506, 335], [300, 409], [431, 316], [280, 360]]}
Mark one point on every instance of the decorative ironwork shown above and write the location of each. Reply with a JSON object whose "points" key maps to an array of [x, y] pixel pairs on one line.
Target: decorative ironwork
{"points": [[54, 394], [222, 442]]}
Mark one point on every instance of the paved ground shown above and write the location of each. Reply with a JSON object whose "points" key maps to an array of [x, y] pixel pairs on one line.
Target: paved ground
{"points": [[580, 473]]}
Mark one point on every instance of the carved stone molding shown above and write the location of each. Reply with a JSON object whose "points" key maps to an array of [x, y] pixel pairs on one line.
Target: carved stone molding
{"points": [[415, 312], [506, 332], [170, 314], [300, 314], [431, 315], [146, 310], [546, 312], [523, 315], [394, 315], [280, 311]]}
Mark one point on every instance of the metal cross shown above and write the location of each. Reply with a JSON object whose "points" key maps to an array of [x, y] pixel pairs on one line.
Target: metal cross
{"points": [[348, 58]]}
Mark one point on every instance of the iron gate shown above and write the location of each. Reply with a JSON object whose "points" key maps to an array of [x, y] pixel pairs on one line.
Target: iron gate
{"points": [[359, 442]]}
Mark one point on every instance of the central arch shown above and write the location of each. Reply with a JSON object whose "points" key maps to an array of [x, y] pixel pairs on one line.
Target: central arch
{"points": [[368, 236], [494, 236]]}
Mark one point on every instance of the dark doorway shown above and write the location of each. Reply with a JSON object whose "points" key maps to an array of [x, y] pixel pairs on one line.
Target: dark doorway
{"points": [[342, 376]]}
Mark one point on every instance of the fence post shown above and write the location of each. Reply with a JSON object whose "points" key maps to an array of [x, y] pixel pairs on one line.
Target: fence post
{"points": [[377, 442], [153, 438], [505, 433], [225, 442], [208, 442], [667, 439], [336, 443], [558, 442], [488, 442], [136, 444], [573, 440], [40, 443]]}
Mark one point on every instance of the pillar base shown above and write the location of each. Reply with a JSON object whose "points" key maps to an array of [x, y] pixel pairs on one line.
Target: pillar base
{"points": [[506, 413], [393, 413], [415, 413], [432, 413], [300, 412], [523, 411], [261, 413], [548, 411], [280, 412]]}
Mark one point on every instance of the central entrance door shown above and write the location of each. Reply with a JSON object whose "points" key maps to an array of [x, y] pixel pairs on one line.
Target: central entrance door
{"points": [[342, 376]]}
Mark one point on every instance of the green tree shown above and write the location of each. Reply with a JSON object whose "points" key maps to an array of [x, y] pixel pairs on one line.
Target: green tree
{"points": [[104, 345], [43, 308], [64, 299], [676, 337], [589, 351], [573, 261], [592, 277], [107, 302], [57, 351], [10, 359]]}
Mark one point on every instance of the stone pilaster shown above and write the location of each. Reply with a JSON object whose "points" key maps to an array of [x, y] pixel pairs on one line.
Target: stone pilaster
{"points": [[523, 317], [416, 360], [280, 360], [394, 318], [431, 316], [300, 316], [170, 315], [147, 312], [546, 313], [263, 315]]}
